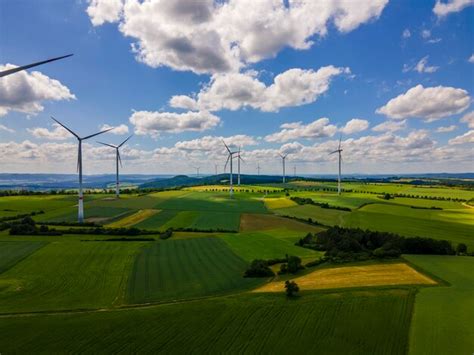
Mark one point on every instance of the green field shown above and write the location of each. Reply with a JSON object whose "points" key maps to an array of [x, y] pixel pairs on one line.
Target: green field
{"points": [[13, 252], [443, 320], [365, 322], [180, 269], [68, 275]]}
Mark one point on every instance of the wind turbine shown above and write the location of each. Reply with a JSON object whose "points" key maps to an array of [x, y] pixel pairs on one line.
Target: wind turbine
{"points": [[80, 212], [215, 166], [197, 170], [258, 168], [239, 158], [24, 67], [117, 160], [339, 150], [294, 171], [283, 158], [230, 157]]}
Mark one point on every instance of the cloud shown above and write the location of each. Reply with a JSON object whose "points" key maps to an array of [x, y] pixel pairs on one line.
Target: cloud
{"points": [[446, 129], [469, 119], [102, 11], [406, 33], [471, 59], [214, 143], [354, 126], [390, 126], [319, 128], [25, 92], [430, 103], [233, 91], [214, 36], [58, 133], [422, 67], [442, 9], [6, 129], [118, 130], [467, 137], [154, 123], [426, 34]]}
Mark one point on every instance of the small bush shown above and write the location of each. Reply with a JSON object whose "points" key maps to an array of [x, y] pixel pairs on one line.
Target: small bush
{"points": [[291, 288], [259, 268]]}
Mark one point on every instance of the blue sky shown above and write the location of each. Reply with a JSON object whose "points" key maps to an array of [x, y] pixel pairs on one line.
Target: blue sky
{"points": [[341, 66]]}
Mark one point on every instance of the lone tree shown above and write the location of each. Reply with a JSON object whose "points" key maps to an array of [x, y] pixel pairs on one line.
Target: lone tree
{"points": [[461, 249], [291, 288]]}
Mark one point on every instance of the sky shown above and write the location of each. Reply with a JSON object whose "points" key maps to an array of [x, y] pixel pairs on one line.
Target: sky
{"points": [[393, 80]]}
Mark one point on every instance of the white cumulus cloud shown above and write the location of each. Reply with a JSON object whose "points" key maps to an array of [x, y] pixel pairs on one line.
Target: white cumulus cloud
{"points": [[319, 128], [467, 137], [26, 92], [445, 129], [469, 119], [154, 123], [118, 130], [390, 126], [233, 91], [58, 133], [354, 126], [430, 103], [444, 8]]}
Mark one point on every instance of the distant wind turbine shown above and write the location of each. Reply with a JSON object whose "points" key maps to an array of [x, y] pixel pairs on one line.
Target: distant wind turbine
{"points": [[258, 168], [339, 151], [118, 160], [80, 213], [230, 158], [294, 171], [197, 170], [239, 158], [215, 166], [24, 67], [283, 158]]}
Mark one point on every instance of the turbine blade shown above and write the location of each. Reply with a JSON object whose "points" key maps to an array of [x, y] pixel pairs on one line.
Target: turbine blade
{"points": [[69, 130], [227, 161], [109, 145], [226, 146], [24, 67], [125, 141], [96, 134], [333, 152]]}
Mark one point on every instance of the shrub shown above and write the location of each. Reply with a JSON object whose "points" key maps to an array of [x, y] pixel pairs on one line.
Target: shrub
{"points": [[291, 288], [258, 268], [461, 249]]}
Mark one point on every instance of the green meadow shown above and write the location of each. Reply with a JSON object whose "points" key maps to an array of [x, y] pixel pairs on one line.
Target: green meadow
{"points": [[187, 293]]}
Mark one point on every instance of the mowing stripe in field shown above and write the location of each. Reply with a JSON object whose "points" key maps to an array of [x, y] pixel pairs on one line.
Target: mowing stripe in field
{"points": [[157, 220], [368, 322], [12, 253], [355, 276], [133, 219], [187, 268]]}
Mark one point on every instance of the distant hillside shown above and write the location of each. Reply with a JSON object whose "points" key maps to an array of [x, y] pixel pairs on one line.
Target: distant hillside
{"points": [[184, 180]]}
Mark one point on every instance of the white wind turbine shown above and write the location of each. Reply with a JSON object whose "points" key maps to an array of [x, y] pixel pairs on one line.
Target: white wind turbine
{"points": [[239, 158], [230, 158], [80, 212], [258, 168], [283, 158], [118, 160], [339, 150], [197, 170]]}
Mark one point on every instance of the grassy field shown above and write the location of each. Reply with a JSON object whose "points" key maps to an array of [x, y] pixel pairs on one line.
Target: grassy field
{"points": [[265, 222], [13, 252], [325, 216], [180, 269], [259, 245], [354, 276], [133, 219], [369, 322], [157, 220], [68, 275], [443, 320]]}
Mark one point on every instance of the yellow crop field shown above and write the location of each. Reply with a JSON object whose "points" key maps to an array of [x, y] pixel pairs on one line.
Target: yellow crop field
{"points": [[355, 276], [133, 219], [281, 202]]}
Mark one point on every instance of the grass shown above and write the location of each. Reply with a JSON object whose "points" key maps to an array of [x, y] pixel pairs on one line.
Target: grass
{"points": [[264, 222], [279, 202], [228, 221], [68, 275], [183, 219], [180, 269], [13, 252], [157, 220], [355, 276], [443, 320], [325, 216], [252, 246], [133, 219], [369, 322]]}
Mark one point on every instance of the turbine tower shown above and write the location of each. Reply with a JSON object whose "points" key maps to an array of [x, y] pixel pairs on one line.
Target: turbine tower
{"points": [[28, 66], [80, 212], [117, 160], [294, 171], [258, 168], [197, 170], [215, 166], [239, 158], [339, 150], [230, 157], [283, 158]]}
